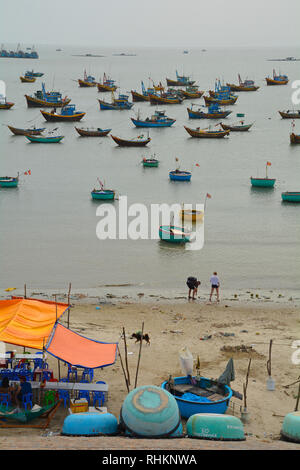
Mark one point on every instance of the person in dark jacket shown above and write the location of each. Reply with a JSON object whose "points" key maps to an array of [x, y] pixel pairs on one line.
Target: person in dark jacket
{"points": [[193, 284]]}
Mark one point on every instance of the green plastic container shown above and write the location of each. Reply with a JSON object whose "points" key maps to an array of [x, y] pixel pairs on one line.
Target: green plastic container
{"points": [[290, 430], [215, 426]]}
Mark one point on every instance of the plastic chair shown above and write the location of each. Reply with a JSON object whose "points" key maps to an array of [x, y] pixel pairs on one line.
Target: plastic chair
{"points": [[49, 397], [46, 375], [27, 400], [84, 393], [64, 394], [99, 396], [72, 371], [5, 399], [88, 374]]}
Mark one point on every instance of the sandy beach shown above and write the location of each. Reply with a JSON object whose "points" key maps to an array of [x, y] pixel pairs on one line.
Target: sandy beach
{"points": [[208, 330]]}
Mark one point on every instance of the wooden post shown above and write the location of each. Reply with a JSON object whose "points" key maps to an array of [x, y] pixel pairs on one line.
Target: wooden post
{"points": [[245, 385], [58, 369], [298, 398], [55, 308], [126, 356], [123, 370], [269, 362], [69, 293], [25, 291], [139, 358]]}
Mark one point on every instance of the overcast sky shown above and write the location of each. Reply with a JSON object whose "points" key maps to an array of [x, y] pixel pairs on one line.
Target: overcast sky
{"points": [[184, 23]]}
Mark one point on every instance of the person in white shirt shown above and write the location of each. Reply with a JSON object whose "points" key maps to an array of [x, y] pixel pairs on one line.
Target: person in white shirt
{"points": [[215, 284]]}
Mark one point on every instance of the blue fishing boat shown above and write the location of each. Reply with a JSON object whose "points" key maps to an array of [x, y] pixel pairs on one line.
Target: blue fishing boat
{"points": [[173, 234], [215, 426], [68, 114], [90, 424], [102, 193], [263, 182], [43, 99], [119, 103], [202, 396], [9, 181], [45, 139], [182, 80], [158, 119], [291, 196], [31, 73], [19, 54], [180, 175], [88, 81], [213, 112]]}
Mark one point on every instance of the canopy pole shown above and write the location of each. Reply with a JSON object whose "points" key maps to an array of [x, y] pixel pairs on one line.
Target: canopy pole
{"points": [[123, 370], [126, 356], [25, 291], [69, 293], [55, 308], [139, 358], [58, 369]]}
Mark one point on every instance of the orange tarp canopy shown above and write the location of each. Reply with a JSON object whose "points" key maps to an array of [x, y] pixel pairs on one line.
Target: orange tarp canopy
{"points": [[28, 322], [80, 351]]}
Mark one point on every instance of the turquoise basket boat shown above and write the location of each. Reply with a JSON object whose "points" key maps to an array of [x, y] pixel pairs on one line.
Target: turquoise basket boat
{"points": [[262, 182], [180, 175], [150, 162], [291, 196], [206, 396], [290, 430], [44, 140], [173, 234], [216, 427], [9, 182], [103, 194], [90, 424], [150, 412]]}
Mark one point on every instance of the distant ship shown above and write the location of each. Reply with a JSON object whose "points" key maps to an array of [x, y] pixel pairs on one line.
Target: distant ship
{"points": [[19, 54]]}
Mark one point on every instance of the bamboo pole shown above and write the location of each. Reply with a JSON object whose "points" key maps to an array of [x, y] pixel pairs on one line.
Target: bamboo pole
{"points": [[298, 398], [269, 362], [69, 293], [126, 381], [25, 291], [139, 358], [126, 356], [245, 385]]}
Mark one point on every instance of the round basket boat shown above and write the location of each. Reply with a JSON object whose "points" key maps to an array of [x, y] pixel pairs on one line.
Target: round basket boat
{"points": [[215, 427], [90, 424], [290, 430], [150, 412]]}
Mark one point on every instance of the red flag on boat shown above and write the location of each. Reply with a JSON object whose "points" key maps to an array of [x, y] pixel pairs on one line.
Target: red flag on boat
{"points": [[28, 172], [197, 164], [208, 195], [268, 163]]}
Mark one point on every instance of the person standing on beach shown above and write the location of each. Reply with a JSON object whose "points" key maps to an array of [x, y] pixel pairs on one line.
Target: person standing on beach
{"points": [[193, 284], [215, 284]]}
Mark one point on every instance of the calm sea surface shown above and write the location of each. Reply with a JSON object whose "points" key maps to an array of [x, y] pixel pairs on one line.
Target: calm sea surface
{"points": [[48, 225]]}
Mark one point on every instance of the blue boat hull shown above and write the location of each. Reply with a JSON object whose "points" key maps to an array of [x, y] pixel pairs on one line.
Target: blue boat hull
{"points": [[152, 124], [90, 424], [188, 408], [179, 177], [263, 182]]}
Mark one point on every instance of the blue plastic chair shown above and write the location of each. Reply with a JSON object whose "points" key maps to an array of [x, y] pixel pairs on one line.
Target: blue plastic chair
{"points": [[64, 394], [84, 393], [87, 374], [27, 400], [72, 371], [5, 399], [46, 375], [99, 396]]}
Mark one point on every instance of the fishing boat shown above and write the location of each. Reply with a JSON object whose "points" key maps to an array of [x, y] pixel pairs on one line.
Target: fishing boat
{"points": [[199, 395], [139, 141], [247, 85], [277, 79], [192, 92], [291, 196], [173, 234], [239, 127], [158, 119], [263, 182], [30, 131], [294, 138], [213, 112], [5, 104], [45, 139], [90, 132], [222, 100], [67, 114], [144, 96], [290, 114], [166, 98], [180, 81], [102, 193], [31, 73], [27, 79], [180, 175], [107, 84], [206, 134], [119, 103], [9, 181], [150, 162], [88, 81], [43, 99]]}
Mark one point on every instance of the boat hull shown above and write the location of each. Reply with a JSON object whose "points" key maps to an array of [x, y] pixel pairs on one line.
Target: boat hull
{"points": [[53, 117], [36, 103], [105, 88], [236, 128], [166, 236], [289, 115], [263, 182], [138, 123], [138, 97], [272, 82], [223, 102], [161, 100], [179, 82], [294, 138], [115, 107], [90, 424], [17, 131], [206, 134], [103, 195], [27, 80], [289, 196], [242, 88], [86, 133], [130, 143], [6, 105], [200, 115], [150, 163], [9, 182], [188, 408], [184, 176], [84, 84], [44, 140]]}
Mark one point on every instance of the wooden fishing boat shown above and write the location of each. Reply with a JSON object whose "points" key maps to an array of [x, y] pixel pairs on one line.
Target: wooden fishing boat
{"points": [[144, 96], [205, 396], [173, 234], [150, 162], [139, 141], [191, 92], [291, 196], [88, 81], [49, 139], [192, 215], [221, 101], [43, 99], [106, 85], [277, 79], [31, 73], [206, 134], [158, 119], [294, 138], [67, 114], [9, 181], [290, 114], [213, 112], [27, 79], [167, 99], [119, 103], [180, 81], [180, 175], [30, 131], [92, 132], [236, 128], [6, 104], [247, 85]]}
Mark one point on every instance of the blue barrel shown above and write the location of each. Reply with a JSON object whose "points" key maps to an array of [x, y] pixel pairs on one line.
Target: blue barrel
{"points": [[90, 424], [215, 426], [150, 411], [290, 430]]}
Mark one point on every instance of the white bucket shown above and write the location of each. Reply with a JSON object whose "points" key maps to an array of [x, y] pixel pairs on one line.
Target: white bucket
{"points": [[270, 384], [186, 361]]}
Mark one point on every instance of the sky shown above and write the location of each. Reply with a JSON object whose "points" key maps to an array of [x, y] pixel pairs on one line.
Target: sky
{"points": [[151, 23]]}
